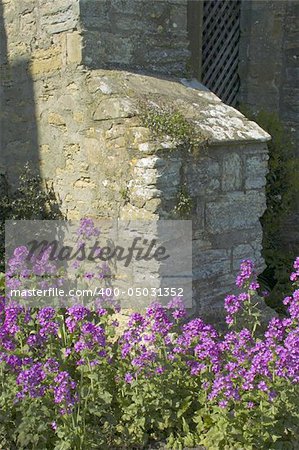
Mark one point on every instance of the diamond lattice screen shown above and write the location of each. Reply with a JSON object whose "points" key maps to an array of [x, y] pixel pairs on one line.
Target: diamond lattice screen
{"points": [[220, 48]]}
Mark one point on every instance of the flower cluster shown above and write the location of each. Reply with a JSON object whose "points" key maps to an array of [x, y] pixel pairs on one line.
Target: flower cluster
{"points": [[246, 272], [64, 357], [295, 275], [64, 391], [87, 229], [31, 381]]}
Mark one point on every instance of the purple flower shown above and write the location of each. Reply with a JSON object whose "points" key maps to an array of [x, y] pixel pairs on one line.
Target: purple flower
{"points": [[232, 304], [295, 275], [45, 315], [13, 283], [76, 314], [75, 265], [2, 304], [102, 312], [254, 286], [246, 272], [223, 403], [233, 367], [272, 396], [179, 314], [136, 319], [159, 370], [51, 365], [196, 367], [157, 314], [88, 275], [178, 307], [50, 329], [31, 381], [36, 340], [21, 252], [129, 378], [93, 333], [262, 386], [64, 392], [87, 228], [13, 361]]}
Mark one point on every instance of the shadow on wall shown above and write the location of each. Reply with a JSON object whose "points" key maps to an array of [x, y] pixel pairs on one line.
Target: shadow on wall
{"points": [[18, 129]]}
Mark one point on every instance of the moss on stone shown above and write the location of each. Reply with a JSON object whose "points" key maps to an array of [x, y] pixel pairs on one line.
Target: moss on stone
{"points": [[184, 203], [167, 121]]}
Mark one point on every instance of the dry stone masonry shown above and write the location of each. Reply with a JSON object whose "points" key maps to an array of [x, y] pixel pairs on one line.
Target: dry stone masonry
{"points": [[82, 129]]}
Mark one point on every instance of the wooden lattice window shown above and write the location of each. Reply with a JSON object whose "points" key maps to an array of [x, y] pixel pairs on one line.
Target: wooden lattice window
{"points": [[214, 32]]}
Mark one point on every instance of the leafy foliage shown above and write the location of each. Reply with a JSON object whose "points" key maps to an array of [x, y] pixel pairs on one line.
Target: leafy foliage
{"points": [[165, 120], [282, 191], [184, 203]]}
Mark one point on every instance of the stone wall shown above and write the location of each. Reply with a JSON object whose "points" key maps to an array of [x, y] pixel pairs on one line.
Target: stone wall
{"points": [[269, 59], [42, 33], [269, 69], [135, 34]]}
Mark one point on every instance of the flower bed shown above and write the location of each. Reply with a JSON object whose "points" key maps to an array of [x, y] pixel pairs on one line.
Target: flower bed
{"points": [[71, 380]]}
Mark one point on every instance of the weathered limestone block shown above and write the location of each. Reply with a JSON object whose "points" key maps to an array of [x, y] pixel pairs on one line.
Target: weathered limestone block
{"points": [[236, 211], [112, 108], [211, 263], [28, 24], [56, 120], [74, 48], [57, 17], [255, 171], [46, 61], [252, 250], [232, 172], [204, 177]]}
